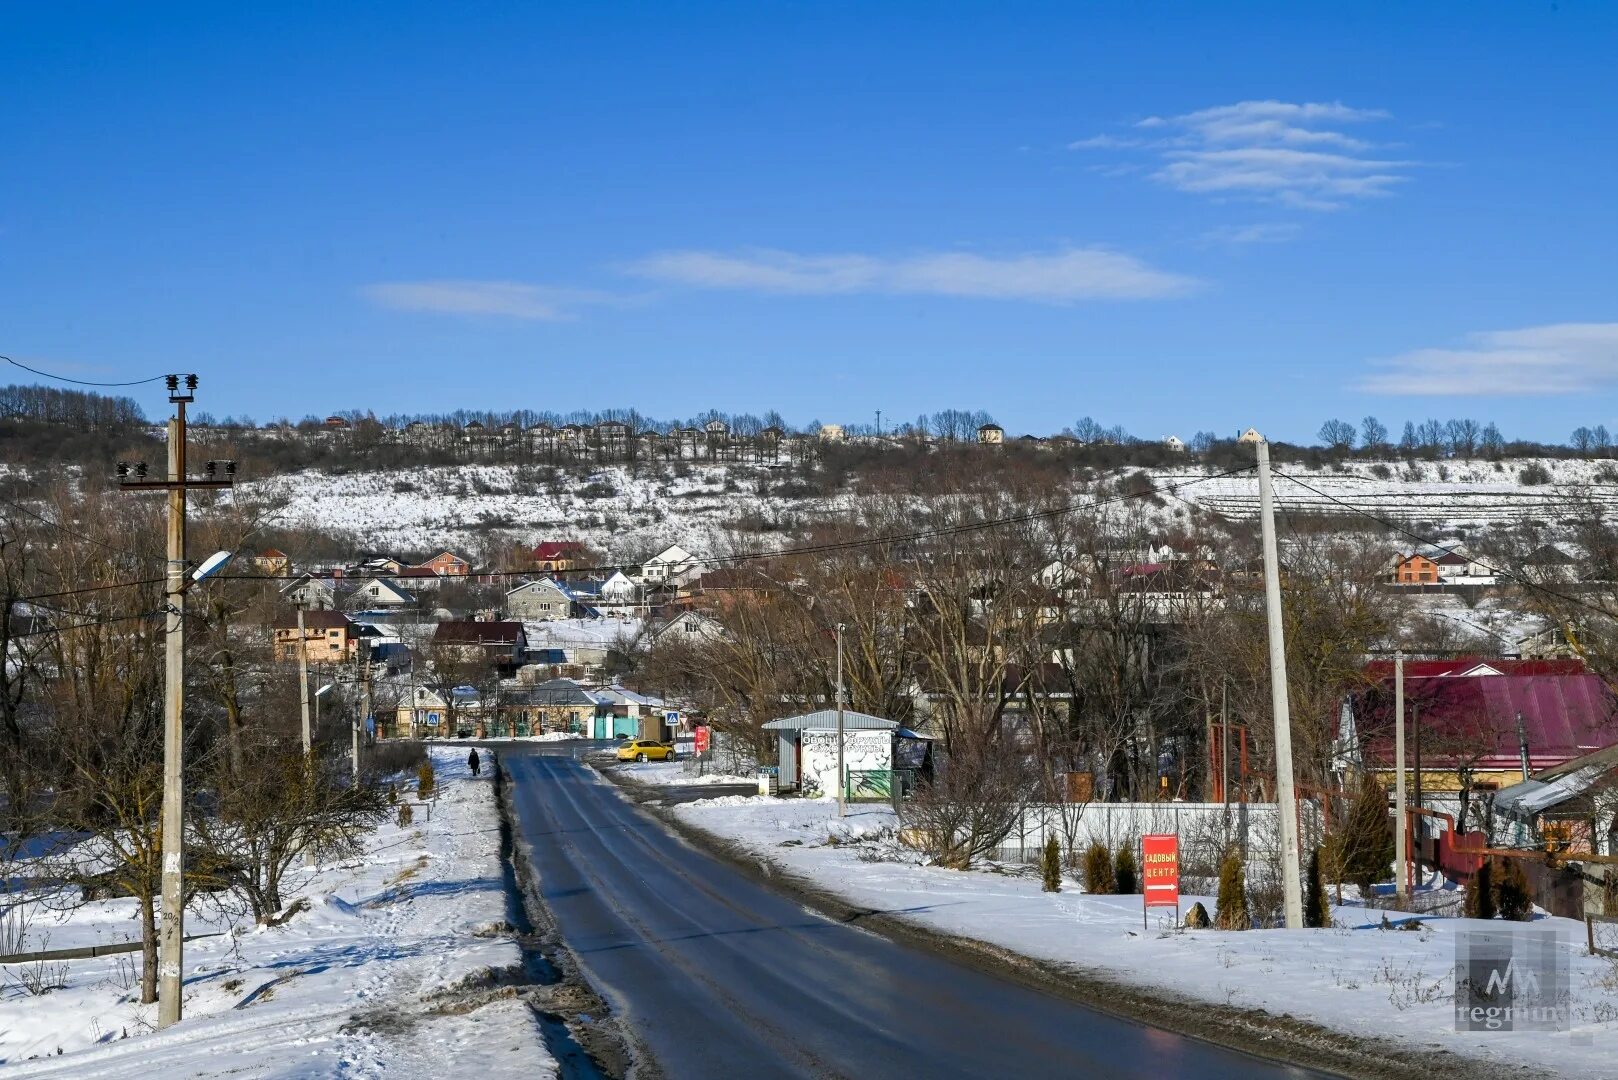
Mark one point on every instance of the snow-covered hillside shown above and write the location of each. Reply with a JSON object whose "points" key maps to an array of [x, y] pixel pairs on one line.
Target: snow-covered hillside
{"points": [[628, 514]]}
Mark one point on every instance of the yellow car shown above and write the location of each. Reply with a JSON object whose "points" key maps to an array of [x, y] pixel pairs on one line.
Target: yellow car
{"points": [[645, 750]]}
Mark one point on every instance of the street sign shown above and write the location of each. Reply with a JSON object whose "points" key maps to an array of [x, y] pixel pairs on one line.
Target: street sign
{"points": [[702, 739], [1160, 872]]}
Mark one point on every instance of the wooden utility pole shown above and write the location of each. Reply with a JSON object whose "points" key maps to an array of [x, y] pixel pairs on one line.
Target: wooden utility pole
{"points": [[1401, 854], [842, 807], [171, 931], [1291, 873]]}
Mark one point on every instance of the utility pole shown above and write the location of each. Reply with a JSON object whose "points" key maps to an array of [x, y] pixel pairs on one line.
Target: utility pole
{"points": [[1291, 882], [1401, 854], [842, 807], [303, 681], [364, 717], [171, 932]]}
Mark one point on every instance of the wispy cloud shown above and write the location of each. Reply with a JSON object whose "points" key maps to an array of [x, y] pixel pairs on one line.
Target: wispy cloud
{"points": [[1059, 277], [1563, 358], [511, 299], [1263, 232], [1293, 153]]}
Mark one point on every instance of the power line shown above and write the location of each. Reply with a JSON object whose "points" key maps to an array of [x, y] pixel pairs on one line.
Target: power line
{"points": [[43, 520], [1418, 538], [87, 589], [81, 382], [89, 623], [840, 545]]}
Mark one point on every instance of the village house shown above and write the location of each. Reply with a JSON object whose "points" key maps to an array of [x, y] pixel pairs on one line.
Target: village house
{"points": [[541, 600], [1571, 808], [417, 578], [377, 593], [688, 626], [328, 637], [991, 435], [673, 565], [448, 564], [501, 644], [1250, 437], [556, 556], [1173, 445], [317, 592], [1415, 569], [272, 561]]}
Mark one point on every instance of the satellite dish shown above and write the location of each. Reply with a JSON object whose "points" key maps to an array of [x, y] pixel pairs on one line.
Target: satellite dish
{"points": [[211, 565]]}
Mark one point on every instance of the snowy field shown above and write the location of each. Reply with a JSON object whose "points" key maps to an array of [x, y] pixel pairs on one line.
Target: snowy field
{"points": [[628, 514], [1356, 977], [399, 968]]}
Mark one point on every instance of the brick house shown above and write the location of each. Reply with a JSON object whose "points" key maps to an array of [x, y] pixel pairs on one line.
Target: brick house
{"points": [[448, 564], [557, 556], [328, 637], [1415, 569]]}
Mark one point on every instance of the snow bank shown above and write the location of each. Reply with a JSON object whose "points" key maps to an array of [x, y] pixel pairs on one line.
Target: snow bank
{"points": [[384, 973], [1356, 977]]}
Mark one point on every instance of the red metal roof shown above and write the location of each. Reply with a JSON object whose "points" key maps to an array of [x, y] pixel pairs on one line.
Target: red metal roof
{"points": [[1460, 665], [557, 549], [1474, 719]]}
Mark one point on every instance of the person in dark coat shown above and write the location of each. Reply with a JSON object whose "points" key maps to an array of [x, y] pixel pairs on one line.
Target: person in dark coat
{"points": [[472, 761]]}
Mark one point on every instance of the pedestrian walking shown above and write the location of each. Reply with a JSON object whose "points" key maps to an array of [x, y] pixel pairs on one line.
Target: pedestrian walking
{"points": [[472, 761]]}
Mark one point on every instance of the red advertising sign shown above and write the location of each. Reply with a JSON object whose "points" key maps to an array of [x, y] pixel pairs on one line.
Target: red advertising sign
{"points": [[702, 739], [1160, 871]]}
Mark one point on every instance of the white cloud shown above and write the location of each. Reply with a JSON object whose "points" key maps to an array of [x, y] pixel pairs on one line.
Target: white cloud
{"points": [[1060, 277], [512, 299], [1263, 232], [1293, 153], [1563, 358]]}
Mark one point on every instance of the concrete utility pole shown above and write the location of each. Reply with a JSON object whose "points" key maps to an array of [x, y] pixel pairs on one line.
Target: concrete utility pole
{"points": [[171, 931], [364, 717], [1291, 882], [842, 807], [1401, 854], [303, 680]]}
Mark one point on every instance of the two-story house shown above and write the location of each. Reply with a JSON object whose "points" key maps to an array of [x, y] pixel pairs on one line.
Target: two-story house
{"points": [[448, 564], [500, 643], [540, 600], [672, 565], [378, 593], [328, 637]]}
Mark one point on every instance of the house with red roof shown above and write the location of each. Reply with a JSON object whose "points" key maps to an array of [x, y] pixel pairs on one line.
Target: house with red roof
{"points": [[557, 556]]}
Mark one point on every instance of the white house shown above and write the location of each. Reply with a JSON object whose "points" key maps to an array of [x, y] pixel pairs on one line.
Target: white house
{"points": [[374, 593], [673, 564], [618, 595], [691, 626], [1173, 444], [1250, 437]]}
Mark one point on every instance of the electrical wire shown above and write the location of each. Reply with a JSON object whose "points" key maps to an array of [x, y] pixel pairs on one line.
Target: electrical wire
{"points": [[1420, 539], [81, 382], [87, 624], [87, 589], [841, 545], [43, 520]]}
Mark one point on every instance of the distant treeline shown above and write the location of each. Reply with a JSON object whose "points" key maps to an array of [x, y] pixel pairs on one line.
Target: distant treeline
{"points": [[48, 405]]}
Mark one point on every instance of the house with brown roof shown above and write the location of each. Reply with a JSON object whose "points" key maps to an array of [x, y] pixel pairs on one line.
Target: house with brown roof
{"points": [[500, 642], [1415, 569], [272, 561], [329, 637], [448, 564], [556, 556]]}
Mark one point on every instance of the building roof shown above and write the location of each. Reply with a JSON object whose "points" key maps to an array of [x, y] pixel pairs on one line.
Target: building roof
{"points": [[470, 631], [416, 572], [1475, 665], [826, 720], [1473, 718], [557, 549], [315, 619]]}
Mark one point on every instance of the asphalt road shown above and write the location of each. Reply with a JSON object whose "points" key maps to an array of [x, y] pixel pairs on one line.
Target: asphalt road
{"points": [[720, 976]]}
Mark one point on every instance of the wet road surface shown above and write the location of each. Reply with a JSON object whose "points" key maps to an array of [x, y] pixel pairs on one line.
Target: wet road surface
{"points": [[719, 976]]}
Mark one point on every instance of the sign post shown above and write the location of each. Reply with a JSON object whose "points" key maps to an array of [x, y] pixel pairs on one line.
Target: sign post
{"points": [[702, 748], [1160, 873]]}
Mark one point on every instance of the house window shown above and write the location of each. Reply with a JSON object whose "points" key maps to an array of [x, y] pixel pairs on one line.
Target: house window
{"points": [[691, 628]]}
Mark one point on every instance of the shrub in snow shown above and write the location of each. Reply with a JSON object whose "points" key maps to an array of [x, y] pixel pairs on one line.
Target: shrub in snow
{"points": [[426, 781], [1511, 892], [1123, 871], [1534, 473], [1316, 908], [1098, 869], [1050, 865], [1197, 917], [1230, 909], [407, 816], [1480, 893]]}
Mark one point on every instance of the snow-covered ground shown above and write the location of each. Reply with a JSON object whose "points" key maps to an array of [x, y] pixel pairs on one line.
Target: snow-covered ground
{"points": [[677, 773], [626, 513], [1356, 977], [401, 967]]}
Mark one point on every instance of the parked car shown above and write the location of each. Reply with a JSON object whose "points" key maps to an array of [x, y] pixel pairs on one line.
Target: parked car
{"points": [[645, 750]]}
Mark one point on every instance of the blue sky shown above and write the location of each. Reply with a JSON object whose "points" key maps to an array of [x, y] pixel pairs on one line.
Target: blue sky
{"points": [[1165, 216]]}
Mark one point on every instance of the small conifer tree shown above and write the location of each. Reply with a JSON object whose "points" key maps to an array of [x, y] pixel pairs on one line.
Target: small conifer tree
{"points": [[1316, 906], [1051, 865], [1230, 909], [1480, 892], [1125, 877], [1512, 894], [1097, 869], [407, 816], [426, 782]]}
